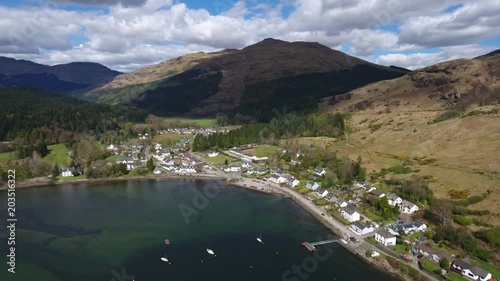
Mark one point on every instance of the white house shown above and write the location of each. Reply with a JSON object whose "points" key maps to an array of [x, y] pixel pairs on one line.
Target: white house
{"points": [[157, 171], [407, 207], [385, 238], [350, 214], [312, 185], [377, 193], [293, 182], [342, 203], [319, 171], [473, 272], [321, 191], [361, 228], [393, 199], [186, 170], [277, 179], [369, 188], [234, 169], [245, 165], [212, 153], [66, 173]]}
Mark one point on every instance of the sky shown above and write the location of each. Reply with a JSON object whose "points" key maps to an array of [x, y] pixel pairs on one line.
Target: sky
{"points": [[128, 34]]}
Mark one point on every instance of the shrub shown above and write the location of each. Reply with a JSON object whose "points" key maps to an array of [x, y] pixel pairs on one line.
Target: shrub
{"points": [[458, 193]]}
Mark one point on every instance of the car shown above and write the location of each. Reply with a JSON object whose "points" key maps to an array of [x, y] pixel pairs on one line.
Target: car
{"points": [[323, 214]]}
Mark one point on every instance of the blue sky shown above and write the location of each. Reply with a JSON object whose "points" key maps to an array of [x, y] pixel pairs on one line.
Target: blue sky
{"points": [[128, 34]]}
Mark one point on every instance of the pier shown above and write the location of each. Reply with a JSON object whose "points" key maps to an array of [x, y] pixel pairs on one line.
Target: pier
{"points": [[312, 246]]}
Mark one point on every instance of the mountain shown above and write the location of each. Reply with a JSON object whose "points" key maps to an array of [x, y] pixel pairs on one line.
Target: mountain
{"points": [[24, 110], [442, 120], [253, 81], [63, 78]]}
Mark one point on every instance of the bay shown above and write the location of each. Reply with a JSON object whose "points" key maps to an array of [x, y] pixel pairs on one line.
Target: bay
{"points": [[110, 231]]}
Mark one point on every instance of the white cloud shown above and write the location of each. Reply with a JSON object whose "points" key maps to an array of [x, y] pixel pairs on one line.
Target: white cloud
{"points": [[422, 59], [135, 33]]}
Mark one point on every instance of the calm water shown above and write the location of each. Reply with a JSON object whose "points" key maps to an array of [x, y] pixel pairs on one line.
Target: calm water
{"points": [[98, 231]]}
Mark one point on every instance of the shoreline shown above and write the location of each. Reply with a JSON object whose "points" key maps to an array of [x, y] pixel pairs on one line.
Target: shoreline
{"points": [[270, 190]]}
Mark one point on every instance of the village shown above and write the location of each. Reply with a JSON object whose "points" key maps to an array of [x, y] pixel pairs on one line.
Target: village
{"points": [[346, 206]]}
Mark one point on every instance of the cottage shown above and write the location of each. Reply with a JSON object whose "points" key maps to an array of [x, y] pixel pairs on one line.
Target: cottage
{"points": [[330, 197], [350, 214], [393, 199], [245, 165], [261, 171], [321, 191], [234, 169], [276, 171], [377, 193], [312, 185], [157, 171], [361, 228], [342, 203], [66, 172], [212, 153], [293, 182], [319, 171], [407, 207], [369, 188], [471, 271], [277, 179], [385, 238]]}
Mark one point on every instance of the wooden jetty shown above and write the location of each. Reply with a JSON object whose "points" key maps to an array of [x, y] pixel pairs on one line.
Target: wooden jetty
{"points": [[312, 246]]}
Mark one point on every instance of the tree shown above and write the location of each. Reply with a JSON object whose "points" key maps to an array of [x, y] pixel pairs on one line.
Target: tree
{"points": [[55, 171], [226, 162], [442, 210], [444, 263], [150, 164]]}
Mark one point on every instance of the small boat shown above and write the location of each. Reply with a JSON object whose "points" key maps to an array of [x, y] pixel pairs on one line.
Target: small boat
{"points": [[211, 252], [344, 241], [165, 259], [260, 240]]}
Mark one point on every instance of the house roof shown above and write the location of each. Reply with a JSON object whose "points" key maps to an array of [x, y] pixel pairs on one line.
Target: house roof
{"points": [[408, 204], [479, 271], [359, 225], [376, 192], [349, 209], [392, 196], [384, 233], [462, 263], [427, 249]]}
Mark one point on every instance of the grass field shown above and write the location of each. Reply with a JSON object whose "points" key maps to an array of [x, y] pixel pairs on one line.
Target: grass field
{"points": [[452, 276], [428, 265], [5, 156], [198, 122], [58, 153], [219, 159], [400, 248], [262, 150], [170, 139]]}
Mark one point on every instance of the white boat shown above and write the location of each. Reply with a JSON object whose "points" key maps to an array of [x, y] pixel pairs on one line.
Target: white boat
{"points": [[344, 241], [260, 240], [165, 259], [210, 252]]}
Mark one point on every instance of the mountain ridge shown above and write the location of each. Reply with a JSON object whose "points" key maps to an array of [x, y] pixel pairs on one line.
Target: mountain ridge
{"points": [[243, 80], [67, 78]]}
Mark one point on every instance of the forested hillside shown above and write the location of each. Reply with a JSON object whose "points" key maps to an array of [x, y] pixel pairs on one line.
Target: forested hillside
{"points": [[26, 112]]}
